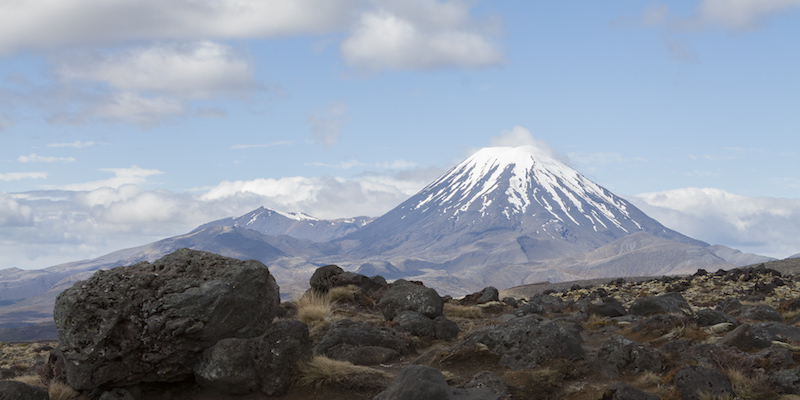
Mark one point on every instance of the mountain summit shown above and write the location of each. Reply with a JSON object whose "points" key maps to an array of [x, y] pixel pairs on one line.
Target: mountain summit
{"points": [[521, 195]]}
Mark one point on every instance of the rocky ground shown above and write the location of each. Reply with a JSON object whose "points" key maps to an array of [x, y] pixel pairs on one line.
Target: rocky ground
{"points": [[713, 335]]}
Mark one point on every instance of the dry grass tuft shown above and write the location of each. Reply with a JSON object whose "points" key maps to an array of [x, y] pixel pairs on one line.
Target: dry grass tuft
{"points": [[322, 371], [709, 396], [349, 294], [31, 380], [313, 307], [453, 310], [61, 391], [647, 380], [595, 322]]}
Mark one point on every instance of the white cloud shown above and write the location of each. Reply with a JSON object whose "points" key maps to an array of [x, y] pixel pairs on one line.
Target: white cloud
{"points": [[724, 14], [327, 123], [342, 165], [54, 24], [521, 136], [34, 158], [422, 34], [122, 176], [133, 108], [743, 14], [17, 176], [12, 213], [49, 227], [76, 144], [193, 70], [761, 225], [262, 145]]}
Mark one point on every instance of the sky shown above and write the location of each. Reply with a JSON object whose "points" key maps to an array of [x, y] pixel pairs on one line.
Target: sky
{"points": [[127, 121]]}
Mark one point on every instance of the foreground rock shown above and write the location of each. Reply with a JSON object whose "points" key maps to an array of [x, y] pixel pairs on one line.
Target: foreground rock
{"points": [[151, 322], [403, 295], [419, 382], [267, 363], [527, 342]]}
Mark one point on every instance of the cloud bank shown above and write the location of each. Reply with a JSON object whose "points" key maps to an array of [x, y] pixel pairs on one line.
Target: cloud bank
{"points": [[761, 225], [44, 228], [145, 61]]}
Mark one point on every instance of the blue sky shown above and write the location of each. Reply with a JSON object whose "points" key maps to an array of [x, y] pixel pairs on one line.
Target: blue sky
{"points": [[128, 121]]}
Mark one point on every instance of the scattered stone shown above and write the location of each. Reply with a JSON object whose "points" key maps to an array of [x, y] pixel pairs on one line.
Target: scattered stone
{"points": [[786, 381], [694, 381], [609, 307], [621, 391], [488, 379], [709, 317], [729, 306], [367, 285], [151, 322], [420, 382], [760, 312], [13, 390], [665, 303], [117, 394], [403, 295], [323, 278], [619, 354], [484, 296], [360, 344], [510, 301], [527, 342], [445, 328]]}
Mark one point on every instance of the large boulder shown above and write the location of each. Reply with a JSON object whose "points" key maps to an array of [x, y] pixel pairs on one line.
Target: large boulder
{"points": [[420, 382], [267, 363], [151, 322], [402, 295], [527, 342], [416, 324]]}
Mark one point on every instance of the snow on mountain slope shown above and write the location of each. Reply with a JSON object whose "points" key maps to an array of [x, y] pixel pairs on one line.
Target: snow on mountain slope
{"points": [[520, 191], [297, 225]]}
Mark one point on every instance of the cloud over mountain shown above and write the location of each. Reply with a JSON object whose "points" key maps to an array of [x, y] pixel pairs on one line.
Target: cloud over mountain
{"points": [[762, 225]]}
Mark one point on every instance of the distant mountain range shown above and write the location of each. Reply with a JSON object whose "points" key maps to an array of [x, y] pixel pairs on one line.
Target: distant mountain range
{"points": [[505, 216]]}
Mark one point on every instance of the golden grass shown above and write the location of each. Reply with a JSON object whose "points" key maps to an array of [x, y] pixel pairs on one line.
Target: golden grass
{"points": [[647, 380], [322, 371], [596, 322], [709, 396], [62, 391], [31, 380], [313, 307], [453, 310], [344, 294]]}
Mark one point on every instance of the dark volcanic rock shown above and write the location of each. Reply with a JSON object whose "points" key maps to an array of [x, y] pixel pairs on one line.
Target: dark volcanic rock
{"points": [[367, 285], [761, 335], [609, 307], [760, 312], [323, 277], [360, 343], [151, 322], [268, 362], [694, 380], [488, 379], [403, 295], [619, 354], [420, 382], [486, 295], [665, 303], [708, 317], [527, 342], [786, 381], [621, 391], [13, 390], [227, 367], [416, 324]]}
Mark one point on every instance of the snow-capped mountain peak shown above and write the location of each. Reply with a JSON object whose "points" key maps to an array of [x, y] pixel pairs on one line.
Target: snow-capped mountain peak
{"points": [[520, 179]]}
